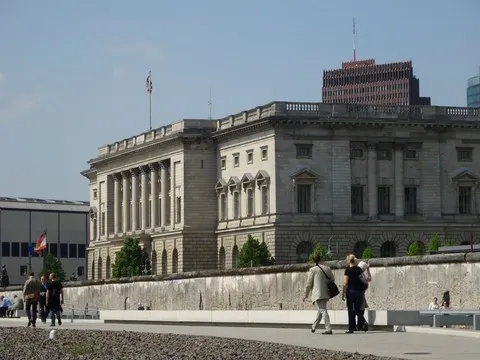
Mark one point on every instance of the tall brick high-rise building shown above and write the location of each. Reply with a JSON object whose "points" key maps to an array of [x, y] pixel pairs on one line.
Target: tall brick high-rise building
{"points": [[365, 82]]}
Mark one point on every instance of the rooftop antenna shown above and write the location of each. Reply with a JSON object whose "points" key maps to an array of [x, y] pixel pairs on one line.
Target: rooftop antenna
{"points": [[210, 104], [354, 42]]}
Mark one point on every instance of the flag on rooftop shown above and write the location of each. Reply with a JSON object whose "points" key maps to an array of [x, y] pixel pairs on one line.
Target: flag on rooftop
{"points": [[149, 83]]}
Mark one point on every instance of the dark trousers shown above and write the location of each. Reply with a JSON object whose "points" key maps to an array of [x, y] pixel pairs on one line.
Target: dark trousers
{"points": [[3, 311], [31, 309], [355, 301], [43, 308]]}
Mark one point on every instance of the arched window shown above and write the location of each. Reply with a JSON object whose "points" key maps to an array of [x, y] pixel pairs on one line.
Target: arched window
{"points": [[154, 262], [234, 256], [359, 248], [108, 267], [92, 275], [304, 250], [221, 258], [164, 262], [388, 249], [175, 261], [100, 268]]}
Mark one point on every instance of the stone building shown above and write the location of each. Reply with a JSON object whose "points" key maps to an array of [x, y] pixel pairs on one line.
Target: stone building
{"points": [[292, 175]]}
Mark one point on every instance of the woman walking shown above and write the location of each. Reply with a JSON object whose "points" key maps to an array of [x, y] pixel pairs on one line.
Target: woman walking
{"points": [[354, 291]]}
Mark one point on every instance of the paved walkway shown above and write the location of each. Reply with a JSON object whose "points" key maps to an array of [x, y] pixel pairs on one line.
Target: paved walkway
{"points": [[401, 345]]}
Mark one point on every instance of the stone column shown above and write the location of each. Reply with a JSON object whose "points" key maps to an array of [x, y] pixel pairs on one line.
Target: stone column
{"points": [[372, 180], [399, 186], [117, 202], [154, 195], [134, 214], [164, 190], [144, 195], [126, 203]]}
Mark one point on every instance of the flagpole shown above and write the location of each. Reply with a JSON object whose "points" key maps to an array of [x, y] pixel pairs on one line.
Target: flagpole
{"points": [[150, 98]]}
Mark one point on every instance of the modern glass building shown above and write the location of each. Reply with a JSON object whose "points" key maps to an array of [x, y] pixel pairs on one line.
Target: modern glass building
{"points": [[473, 91]]}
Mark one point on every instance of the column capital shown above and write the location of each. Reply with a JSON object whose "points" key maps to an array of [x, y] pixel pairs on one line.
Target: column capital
{"points": [[117, 176], [162, 164], [125, 174], [134, 171], [145, 169], [153, 166]]}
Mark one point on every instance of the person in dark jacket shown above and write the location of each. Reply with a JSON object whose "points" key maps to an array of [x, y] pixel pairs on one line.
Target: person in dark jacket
{"points": [[55, 299], [43, 299], [354, 290]]}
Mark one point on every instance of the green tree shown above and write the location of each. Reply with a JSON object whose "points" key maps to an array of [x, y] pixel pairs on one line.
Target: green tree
{"points": [[131, 260], [367, 253], [253, 253], [449, 243], [53, 265], [147, 268], [319, 251], [434, 243], [416, 248]]}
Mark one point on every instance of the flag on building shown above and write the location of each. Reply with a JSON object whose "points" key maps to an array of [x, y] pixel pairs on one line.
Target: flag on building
{"points": [[149, 83], [31, 250], [41, 243]]}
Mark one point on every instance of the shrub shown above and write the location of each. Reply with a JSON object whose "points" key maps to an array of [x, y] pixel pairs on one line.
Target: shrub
{"points": [[416, 248], [434, 243], [254, 253], [367, 253], [319, 251]]}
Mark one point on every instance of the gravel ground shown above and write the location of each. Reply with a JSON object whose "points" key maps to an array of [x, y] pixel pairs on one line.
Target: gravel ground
{"points": [[28, 343]]}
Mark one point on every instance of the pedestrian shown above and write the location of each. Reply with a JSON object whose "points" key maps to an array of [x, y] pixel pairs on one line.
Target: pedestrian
{"points": [[55, 299], [354, 290], [31, 294], [366, 277], [317, 280], [43, 299]]}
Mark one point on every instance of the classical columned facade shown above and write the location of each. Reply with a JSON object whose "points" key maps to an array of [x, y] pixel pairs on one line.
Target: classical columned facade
{"points": [[292, 175]]}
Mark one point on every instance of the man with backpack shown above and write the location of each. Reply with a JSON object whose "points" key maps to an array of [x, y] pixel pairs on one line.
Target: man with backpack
{"points": [[319, 277]]}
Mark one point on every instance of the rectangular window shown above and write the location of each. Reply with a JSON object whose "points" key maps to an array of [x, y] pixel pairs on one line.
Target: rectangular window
{"points": [[304, 151], [410, 200], [223, 207], [410, 154], [72, 250], [53, 249], [464, 154], [24, 249], [236, 205], [250, 203], [465, 200], [80, 271], [95, 194], [223, 162], [23, 270], [384, 154], [383, 206], [264, 150], [5, 249], [236, 160], [357, 200], [304, 198], [249, 156], [102, 222], [81, 251], [265, 200], [178, 213], [63, 250], [356, 153], [15, 249]]}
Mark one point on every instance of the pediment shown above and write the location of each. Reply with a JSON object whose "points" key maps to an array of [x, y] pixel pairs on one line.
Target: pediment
{"points": [[464, 174], [247, 177], [304, 174], [233, 181], [220, 184], [262, 175]]}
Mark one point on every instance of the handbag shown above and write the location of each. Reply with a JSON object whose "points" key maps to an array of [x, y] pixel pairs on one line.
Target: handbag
{"points": [[332, 287]]}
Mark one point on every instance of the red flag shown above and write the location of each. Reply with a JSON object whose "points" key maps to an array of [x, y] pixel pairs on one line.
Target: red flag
{"points": [[41, 243]]}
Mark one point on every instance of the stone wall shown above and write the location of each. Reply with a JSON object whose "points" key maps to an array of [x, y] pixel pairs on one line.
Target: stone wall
{"points": [[398, 283]]}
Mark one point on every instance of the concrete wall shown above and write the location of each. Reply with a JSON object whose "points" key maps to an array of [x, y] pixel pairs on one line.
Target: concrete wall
{"points": [[398, 283]]}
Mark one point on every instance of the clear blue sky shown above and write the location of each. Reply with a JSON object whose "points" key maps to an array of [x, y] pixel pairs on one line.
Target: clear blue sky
{"points": [[72, 73]]}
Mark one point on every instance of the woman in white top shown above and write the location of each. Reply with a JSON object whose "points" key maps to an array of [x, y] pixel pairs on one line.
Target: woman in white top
{"points": [[434, 305]]}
